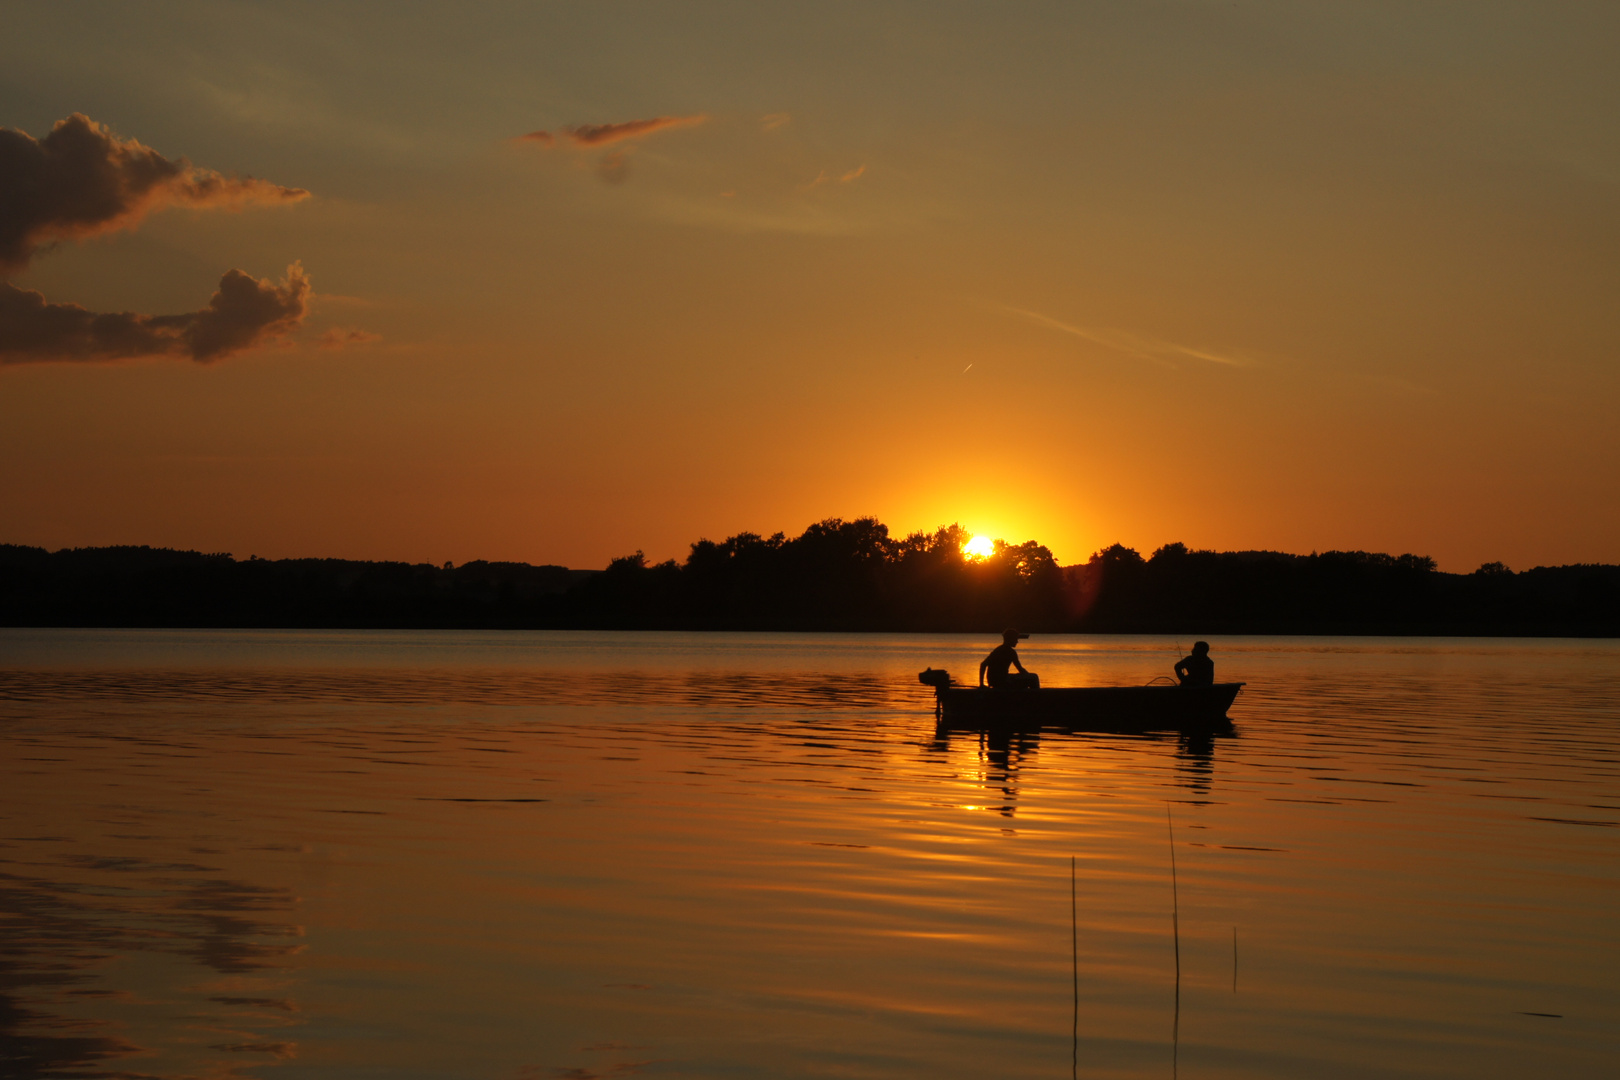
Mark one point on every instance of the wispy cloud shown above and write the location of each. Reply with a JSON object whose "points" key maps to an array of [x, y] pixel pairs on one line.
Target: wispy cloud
{"points": [[1143, 348], [824, 177], [614, 168], [81, 180], [341, 337], [772, 121], [589, 135], [245, 312]]}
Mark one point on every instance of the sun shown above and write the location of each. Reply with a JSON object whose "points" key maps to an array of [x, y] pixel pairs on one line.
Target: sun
{"points": [[980, 547]]}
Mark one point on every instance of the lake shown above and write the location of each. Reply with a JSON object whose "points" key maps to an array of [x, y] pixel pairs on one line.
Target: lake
{"points": [[586, 855]]}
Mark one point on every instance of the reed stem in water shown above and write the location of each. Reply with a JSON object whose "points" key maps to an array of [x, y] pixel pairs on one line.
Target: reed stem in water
{"points": [[1074, 955], [1175, 933], [1175, 902]]}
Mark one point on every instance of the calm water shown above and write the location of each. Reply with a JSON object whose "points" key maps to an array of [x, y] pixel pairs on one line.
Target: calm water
{"points": [[550, 855]]}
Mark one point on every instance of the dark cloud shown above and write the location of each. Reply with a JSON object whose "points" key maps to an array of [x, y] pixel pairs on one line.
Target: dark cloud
{"points": [[81, 180], [245, 312], [602, 134]]}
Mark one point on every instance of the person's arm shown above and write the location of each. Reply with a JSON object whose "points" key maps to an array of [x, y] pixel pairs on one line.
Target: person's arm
{"points": [[1017, 665], [982, 665], [1183, 672]]}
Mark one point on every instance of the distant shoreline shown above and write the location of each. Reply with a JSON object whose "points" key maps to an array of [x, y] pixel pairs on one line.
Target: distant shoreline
{"points": [[837, 577]]}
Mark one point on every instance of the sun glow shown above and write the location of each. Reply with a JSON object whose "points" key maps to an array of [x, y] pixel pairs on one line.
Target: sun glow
{"points": [[980, 547]]}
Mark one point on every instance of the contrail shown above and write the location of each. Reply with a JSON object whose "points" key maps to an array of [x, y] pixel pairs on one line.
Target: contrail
{"points": [[1143, 348]]}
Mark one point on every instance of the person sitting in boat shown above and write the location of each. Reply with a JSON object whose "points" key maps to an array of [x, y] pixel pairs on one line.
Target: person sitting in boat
{"points": [[1001, 658], [1197, 669]]}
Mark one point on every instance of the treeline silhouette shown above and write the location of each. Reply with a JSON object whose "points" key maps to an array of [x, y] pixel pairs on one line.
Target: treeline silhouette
{"points": [[836, 575]]}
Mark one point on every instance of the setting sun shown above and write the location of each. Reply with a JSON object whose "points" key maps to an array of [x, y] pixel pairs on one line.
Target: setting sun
{"points": [[980, 547]]}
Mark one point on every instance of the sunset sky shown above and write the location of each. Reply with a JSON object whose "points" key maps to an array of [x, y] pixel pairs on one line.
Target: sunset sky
{"points": [[555, 282]]}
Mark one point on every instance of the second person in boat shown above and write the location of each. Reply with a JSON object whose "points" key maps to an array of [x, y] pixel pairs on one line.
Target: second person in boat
{"points": [[1003, 657], [1197, 669]]}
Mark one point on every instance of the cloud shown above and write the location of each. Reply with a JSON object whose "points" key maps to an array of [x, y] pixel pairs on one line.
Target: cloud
{"points": [[824, 178], [602, 134], [1143, 348], [614, 168], [81, 180], [341, 337], [775, 120], [243, 313]]}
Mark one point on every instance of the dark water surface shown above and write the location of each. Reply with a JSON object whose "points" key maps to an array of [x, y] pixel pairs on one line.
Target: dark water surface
{"points": [[523, 856]]}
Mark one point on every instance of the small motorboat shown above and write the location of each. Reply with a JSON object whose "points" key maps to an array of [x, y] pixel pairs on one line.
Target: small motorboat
{"points": [[1161, 706]]}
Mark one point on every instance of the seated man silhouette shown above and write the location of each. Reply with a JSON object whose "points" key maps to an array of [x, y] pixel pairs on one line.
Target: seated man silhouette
{"points": [[1001, 658], [1197, 669]]}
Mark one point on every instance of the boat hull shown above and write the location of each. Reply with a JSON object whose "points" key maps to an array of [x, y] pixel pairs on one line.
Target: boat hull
{"points": [[1098, 707]]}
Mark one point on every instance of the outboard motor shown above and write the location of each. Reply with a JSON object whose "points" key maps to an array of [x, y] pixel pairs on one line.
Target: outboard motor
{"points": [[940, 680]]}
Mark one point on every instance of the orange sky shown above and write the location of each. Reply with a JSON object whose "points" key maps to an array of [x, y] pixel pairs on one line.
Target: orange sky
{"points": [[1241, 275]]}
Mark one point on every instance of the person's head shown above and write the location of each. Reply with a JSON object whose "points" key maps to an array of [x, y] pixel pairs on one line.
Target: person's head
{"points": [[1200, 648], [1010, 637]]}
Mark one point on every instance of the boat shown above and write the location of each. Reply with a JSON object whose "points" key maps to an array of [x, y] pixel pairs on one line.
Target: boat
{"points": [[1153, 707]]}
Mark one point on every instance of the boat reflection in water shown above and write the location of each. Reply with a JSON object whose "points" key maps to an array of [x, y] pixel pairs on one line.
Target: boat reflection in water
{"points": [[1009, 724]]}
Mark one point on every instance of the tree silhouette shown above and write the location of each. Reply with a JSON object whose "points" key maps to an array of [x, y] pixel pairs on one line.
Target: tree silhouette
{"points": [[836, 575]]}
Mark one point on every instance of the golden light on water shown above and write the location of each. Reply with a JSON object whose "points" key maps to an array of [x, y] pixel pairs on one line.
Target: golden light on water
{"points": [[980, 547]]}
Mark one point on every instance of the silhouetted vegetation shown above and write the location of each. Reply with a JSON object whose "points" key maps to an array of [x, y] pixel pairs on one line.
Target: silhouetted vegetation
{"points": [[143, 586], [836, 575]]}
